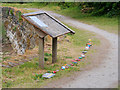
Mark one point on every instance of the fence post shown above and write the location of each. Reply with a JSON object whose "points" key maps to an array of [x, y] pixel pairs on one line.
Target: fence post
{"points": [[54, 50]]}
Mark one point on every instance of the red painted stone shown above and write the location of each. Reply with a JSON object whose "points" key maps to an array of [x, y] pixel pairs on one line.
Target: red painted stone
{"points": [[54, 71]]}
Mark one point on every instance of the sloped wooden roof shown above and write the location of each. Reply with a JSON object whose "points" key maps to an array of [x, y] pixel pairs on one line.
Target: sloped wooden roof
{"points": [[47, 24]]}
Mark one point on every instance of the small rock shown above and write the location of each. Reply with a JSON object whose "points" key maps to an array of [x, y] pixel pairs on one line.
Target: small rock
{"points": [[11, 64], [25, 60], [16, 64], [16, 60], [67, 40], [7, 66], [21, 62], [3, 65]]}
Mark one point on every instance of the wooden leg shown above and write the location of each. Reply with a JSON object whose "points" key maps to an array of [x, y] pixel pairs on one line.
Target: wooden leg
{"points": [[54, 50], [41, 53]]}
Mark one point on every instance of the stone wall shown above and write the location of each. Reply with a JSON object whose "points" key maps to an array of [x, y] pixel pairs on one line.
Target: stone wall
{"points": [[21, 34]]}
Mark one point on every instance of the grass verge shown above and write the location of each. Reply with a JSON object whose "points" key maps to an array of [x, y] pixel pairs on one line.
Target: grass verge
{"points": [[23, 75], [69, 48]]}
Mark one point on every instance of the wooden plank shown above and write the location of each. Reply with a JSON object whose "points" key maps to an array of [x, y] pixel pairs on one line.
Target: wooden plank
{"points": [[36, 25], [33, 13], [54, 29], [60, 23], [41, 53], [54, 50], [43, 12]]}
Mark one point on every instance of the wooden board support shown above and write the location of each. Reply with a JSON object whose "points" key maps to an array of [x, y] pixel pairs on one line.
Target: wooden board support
{"points": [[54, 50], [46, 25], [41, 53]]}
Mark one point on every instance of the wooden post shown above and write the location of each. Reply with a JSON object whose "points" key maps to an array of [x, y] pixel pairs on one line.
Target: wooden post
{"points": [[54, 50], [41, 53]]}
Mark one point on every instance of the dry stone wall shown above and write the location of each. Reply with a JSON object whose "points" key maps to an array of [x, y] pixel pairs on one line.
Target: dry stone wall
{"points": [[21, 34]]}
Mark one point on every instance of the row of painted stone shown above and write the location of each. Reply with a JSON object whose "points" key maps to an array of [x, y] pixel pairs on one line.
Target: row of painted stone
{"points": [[66, 66]]}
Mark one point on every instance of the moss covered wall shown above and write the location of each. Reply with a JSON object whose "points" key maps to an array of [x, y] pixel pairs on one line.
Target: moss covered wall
{"points": [[21, 34]]}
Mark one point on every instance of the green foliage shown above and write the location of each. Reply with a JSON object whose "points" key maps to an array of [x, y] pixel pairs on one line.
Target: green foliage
{"points": [[67, 57], [7, 70], [11, 11], [47, 54], [69, 34], [8, 83], [101, 8], [7, 12], [14, 29], [19, 14], [6, 58], [45, 58], [108, 9], [37, 76], [3, 32]]}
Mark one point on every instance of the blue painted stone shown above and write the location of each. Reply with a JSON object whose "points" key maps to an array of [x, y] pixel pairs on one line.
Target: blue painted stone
{"points": [[80, 57]]}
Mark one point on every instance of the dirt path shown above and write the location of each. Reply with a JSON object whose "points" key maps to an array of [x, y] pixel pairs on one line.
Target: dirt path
{"points": [[103, 76]]}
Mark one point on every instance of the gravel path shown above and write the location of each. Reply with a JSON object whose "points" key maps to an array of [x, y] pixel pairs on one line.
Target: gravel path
{"points": [[104, 76]]}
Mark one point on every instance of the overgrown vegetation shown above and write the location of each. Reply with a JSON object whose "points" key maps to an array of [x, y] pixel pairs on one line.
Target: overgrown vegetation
{"points": [[109, 9], [11, 11], [86, 12]]}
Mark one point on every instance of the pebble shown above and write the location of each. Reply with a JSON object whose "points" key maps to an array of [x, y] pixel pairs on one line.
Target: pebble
{"points": [[7, 66], [11, 64], [21, 62]]}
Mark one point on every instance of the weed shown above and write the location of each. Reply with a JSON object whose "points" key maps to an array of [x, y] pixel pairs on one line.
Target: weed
{"points": [[11, 11], [37, 76], [19, 14], [68, 57], [7, 70], [45, 58], [7, 12], [14, 29], [6, 58], [69, 34], [8, 83], [47, 54]]}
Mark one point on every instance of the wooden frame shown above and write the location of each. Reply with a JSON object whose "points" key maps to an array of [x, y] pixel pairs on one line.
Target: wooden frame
{"points": [[41, 53], [54, 50], [42, 32]]}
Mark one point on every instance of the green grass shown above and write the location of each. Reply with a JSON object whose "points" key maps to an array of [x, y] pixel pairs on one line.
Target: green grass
{"points": [[6, 58], [108, 24], [27, 5], [47, 54], [81, 37], [3, 32], [67, 56], [24, 75]]}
